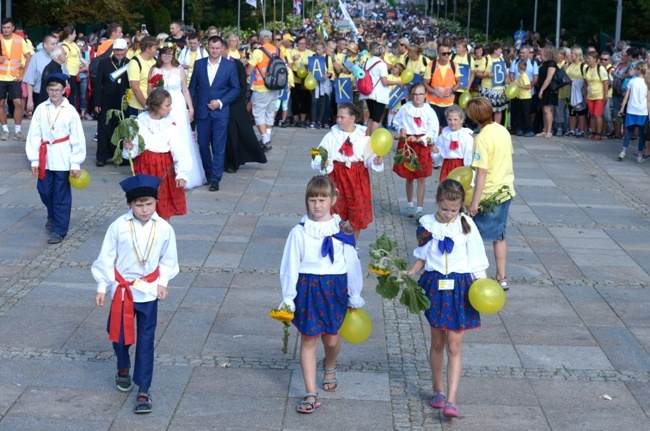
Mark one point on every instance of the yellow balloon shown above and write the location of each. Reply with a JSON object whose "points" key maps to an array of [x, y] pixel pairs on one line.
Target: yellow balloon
{"points": [[356, 327], [302, 72], [487, 296], [81, 182], [469, 194], [392, 59], [463, 175], [310, 82], [381, 142], [407, 76], [464, 99], [512, 90]]}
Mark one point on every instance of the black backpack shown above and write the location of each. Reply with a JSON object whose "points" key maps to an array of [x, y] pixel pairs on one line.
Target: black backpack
{"points": [[94, 64], [277, 74]]}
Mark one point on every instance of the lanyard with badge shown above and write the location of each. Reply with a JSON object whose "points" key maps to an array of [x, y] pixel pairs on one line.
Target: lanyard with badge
{"points": [[446, 246], [143, 256]]}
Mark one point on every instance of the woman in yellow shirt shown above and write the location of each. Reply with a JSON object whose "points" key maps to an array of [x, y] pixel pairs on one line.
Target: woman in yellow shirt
{"points": [[68, 36], [300, 96]]}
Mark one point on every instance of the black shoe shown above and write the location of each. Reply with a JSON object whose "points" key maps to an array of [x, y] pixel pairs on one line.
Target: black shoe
{"points": [[214, 186], [231, 170], [48, 225], [55, 238], [100, 163], [266, 148]]}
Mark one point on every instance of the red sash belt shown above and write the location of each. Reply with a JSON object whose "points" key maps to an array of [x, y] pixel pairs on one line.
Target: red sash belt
{"points": [[353, 165], [42, 155], [128, 316]]}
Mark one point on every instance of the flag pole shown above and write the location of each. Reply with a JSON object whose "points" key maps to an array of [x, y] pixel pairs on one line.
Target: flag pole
{"points": [[274, 19], [238, 17]]}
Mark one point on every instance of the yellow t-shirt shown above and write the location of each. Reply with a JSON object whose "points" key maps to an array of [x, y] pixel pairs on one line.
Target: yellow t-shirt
{"points": [[524, 93], [574, 70], [493, 152], [417, 66], [565, 92], [6, 47], [487, 67], [302, 61], [234, 54], [73, 57], [139, 73], [594, 77]]}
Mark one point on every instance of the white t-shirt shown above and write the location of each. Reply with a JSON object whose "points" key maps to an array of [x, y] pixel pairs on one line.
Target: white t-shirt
{"points": [[637, 103], [380, 92]]}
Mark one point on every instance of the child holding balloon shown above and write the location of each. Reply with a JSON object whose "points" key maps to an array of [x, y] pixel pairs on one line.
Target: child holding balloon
{"points": [[455, 143], [56, 148], [321, 277], [451, 252], [346, 159], [417, 124]]}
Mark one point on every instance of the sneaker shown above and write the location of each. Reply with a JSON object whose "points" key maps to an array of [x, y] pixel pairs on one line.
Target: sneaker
{"points": [[95, 138], [284, 124], [279, 123], [5, 136], [418, 215], [19, 136], [310, 125], [410, 212], [438, 400], [450, 411], [580, 134], [621, 156], [318, 125], [640, 159], [520, 133], [558, 133], [529, 134], [123, 381], [326, 126], [570, 133]]}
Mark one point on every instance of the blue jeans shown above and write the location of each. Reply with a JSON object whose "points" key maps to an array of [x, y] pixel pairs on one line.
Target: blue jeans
{"points": [[630, 132], [82, 89]]}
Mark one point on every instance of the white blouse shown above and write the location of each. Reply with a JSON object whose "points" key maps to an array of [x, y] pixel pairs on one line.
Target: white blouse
{"points": [[468, 255], [465, 145], [405, 119], [302, 254], [163, 136], [333, 141]]}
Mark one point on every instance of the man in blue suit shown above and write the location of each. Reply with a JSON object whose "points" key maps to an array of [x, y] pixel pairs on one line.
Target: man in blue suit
{"points": [[213, 87]]}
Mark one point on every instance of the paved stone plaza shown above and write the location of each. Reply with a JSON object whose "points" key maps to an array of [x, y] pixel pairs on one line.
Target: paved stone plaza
{"points": [[569, 351]]}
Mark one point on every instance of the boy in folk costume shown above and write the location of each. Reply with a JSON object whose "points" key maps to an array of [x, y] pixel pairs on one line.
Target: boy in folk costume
{"points": [[56, 148], [137, 260]]}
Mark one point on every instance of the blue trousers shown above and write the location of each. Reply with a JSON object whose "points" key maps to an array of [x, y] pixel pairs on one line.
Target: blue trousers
{"points": [[146, 316], [56, 195], [211, 134]]}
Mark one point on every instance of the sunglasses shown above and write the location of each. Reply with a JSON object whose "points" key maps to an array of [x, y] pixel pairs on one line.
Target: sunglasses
{"points": [[444, 53], [278, 40], [604, 59]]}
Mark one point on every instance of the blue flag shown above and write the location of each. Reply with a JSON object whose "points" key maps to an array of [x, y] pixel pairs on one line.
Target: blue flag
{"points": [[464, 75], [499, 73], [396, 95], [317, 67], [343, 90]]}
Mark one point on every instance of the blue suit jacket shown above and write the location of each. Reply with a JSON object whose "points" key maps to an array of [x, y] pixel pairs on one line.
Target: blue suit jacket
{"points": [[225, 87]]}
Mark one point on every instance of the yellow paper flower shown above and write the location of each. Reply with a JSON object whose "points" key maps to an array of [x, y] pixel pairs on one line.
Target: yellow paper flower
{"points": [[315, 153], [379, 271]]}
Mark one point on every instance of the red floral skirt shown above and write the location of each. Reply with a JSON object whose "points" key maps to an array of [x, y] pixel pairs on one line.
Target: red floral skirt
{"points": [[424, 157], [449, 165], [171, 199], [354, 200]]}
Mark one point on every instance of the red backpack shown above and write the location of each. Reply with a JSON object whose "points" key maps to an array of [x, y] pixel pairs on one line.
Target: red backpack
{"points": [[365, 84]]}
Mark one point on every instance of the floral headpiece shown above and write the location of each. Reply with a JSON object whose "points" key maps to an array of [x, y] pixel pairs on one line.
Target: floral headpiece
{"points": [[167, 45]]}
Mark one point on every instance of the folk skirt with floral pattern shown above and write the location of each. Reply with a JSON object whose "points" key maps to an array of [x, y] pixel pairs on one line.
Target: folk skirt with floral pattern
{"points": [[171, 199], [450, 309], [354, 200], [321, 303]]}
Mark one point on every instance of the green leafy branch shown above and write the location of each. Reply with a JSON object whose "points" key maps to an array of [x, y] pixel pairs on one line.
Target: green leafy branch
{"points": [[495, 199], [392, 276], [127, 129], [408, 156], [322, 152]]}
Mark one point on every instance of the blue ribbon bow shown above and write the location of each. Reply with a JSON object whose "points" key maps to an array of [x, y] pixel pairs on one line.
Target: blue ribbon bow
{"points": [[446, 245]]}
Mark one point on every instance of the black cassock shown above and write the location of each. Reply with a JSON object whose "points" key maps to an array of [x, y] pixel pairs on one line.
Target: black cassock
{"points": [[242, 145], [108, 95]]}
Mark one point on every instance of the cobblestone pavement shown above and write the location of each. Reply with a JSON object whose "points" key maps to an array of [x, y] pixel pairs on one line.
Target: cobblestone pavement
{"points": [[569, 351]]}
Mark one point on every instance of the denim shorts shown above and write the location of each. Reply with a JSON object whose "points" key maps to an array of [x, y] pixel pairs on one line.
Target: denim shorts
{"points": [[492, 224]]}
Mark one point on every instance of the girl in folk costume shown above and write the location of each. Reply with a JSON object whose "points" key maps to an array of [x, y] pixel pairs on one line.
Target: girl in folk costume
{"points": [[165, 155], [418, 126], [451, 252], [345, 155], [455, 143], [321, 277]]}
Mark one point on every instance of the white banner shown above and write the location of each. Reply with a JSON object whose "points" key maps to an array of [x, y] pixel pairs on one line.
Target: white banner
{"points": [[252, 3], [347, 16]]}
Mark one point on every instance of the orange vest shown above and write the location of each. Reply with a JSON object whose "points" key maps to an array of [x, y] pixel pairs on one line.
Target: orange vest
{"points": [[260, 68], [14, 60], [437, 80]]}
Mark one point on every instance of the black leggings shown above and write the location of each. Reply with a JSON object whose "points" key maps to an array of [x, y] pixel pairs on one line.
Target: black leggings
{"points": [[300, 100]]}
